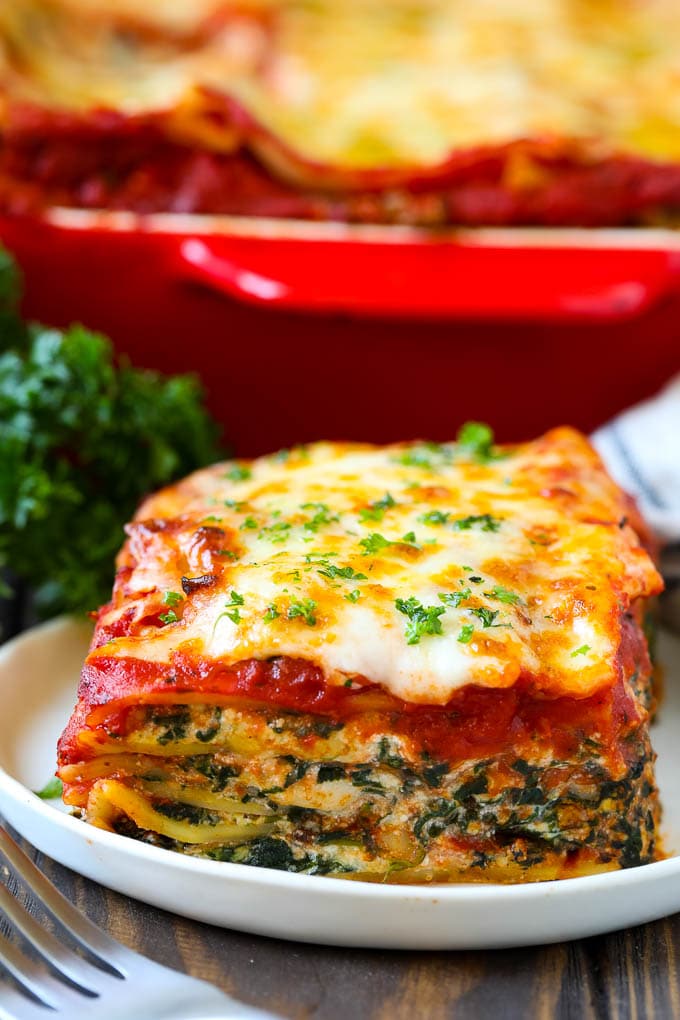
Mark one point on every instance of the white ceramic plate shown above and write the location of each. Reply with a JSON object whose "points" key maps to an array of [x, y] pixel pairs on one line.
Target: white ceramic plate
{"points": [[38, 676]]}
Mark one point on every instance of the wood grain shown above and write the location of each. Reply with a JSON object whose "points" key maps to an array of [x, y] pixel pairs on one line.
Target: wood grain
{"points": [[631, 975]]}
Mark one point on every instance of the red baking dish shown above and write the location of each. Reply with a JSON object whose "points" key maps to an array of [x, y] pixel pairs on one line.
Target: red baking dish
{"points": [[302, 330]]}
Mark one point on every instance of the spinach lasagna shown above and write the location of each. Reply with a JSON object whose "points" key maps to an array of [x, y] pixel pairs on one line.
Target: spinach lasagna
{"points": [[433, 112], [420, 662]]}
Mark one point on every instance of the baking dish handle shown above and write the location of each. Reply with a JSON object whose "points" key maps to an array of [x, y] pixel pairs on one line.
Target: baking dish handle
{"points": [[431, 279]]}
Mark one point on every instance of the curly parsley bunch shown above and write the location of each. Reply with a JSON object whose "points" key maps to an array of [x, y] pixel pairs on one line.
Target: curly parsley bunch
{"points": [[82, 440]]}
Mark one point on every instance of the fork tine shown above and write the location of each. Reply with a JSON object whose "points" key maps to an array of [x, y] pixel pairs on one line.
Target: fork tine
{"points": [[25, 972], [54, 952], [35, 978], [16, 1006], [111, 955]]}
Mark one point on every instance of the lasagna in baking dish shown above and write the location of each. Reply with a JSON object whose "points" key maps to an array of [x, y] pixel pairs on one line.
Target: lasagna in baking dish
{"points": [[426, 112], [420, 662]]}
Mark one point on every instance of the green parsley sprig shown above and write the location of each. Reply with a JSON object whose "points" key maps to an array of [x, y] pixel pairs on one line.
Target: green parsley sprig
{"points": [[422, 619], [475, 441], [83, 437]]}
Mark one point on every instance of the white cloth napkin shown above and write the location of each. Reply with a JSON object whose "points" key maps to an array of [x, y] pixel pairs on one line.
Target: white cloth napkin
{"points": [[641, 449]]}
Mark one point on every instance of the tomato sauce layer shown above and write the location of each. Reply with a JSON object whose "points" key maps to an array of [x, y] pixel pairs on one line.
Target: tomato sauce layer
{"points": [[109, 161], [477, 722]]}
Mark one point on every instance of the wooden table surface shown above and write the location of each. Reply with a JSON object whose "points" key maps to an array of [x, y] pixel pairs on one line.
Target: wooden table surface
{"points": [[631, 975]]}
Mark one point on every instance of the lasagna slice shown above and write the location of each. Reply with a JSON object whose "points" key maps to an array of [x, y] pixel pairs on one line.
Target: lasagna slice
{"points": [[420, 662], [559, 112]]}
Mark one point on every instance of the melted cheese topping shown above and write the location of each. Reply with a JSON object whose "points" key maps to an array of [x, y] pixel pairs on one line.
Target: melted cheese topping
{"points": [[414, 566], [364, 82]]}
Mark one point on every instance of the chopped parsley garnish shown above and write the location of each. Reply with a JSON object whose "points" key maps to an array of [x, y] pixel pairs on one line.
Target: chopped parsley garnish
{"points": [[510, 598], [454, 598], [583, 650], [475, 439], [353, 596], [305, 609], [271, 614], [331, 570], [425, 455], [376, 511], [322, 515], [232, 607], [276, 533], [250, 524], [485, 521], [172, 598], [239, 473], [169, 617], [319, 557], [466, 632], [374, 543], [487, 616], [229, 553], [410, 539], [422, 620], [434, 517], [283, 456]]}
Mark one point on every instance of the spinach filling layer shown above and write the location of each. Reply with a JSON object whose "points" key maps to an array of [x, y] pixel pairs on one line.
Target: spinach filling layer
{"points": [[390, 815]]}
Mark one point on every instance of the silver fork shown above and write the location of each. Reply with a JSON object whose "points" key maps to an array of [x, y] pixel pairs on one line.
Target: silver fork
{"points": [[114, 983]]}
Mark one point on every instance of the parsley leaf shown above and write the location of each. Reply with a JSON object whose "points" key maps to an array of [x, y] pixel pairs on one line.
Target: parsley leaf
{"points": [[353, 596], [305, 609], [422, 619], [487, 616], [275, 533], [232, 608], [239, 473], [172, 598], [475, 440], [331, 570], [434, 517], [321, 516], [454, 598], [82, 438], [510, 598], [583, 650], [425, 455], [374, 543], [466, 632], [486, 522], [169, 617], [271, 614], [376, 511]]}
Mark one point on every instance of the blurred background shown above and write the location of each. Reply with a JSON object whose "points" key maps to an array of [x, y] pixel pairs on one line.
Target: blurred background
{"points": [[360, 219]]}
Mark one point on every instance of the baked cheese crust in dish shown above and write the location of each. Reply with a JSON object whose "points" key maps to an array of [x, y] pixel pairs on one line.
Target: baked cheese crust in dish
{"points": [[420, 662], [430, 112]]}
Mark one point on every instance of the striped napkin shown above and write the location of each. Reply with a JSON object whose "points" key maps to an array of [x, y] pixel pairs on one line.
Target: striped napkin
{"points": [[641, 449]]}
